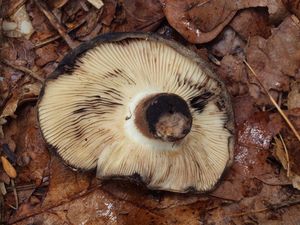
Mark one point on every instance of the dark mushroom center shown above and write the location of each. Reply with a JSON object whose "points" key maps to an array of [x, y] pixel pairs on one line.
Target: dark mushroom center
{"points": [[164, 116]]}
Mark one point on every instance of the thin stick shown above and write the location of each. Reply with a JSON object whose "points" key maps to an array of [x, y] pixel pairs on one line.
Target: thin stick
{"points": [[56, 37], [274, 103], [272, 207], [23, 69], [15, 193], [55, 23]]}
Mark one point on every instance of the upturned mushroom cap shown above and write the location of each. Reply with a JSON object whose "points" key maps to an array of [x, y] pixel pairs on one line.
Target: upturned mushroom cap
{"points": [[139, 104]]}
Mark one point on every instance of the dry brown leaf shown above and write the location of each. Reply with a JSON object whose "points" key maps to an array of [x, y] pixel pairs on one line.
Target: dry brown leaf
{"points": [[197, 20], [200, 21], [251, 22], [233, 72], [11, 106], [64, 183], [140, 15], [275, 60], [109, 10], [92, 26], [8, 168], [243, 107], [26, 92], [46, 54], [41, 25], [32, 154]]}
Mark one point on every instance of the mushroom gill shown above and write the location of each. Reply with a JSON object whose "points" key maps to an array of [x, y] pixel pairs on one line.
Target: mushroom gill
{"points": [[139, 104]]}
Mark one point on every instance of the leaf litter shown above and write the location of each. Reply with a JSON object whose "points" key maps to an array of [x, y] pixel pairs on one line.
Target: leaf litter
{"points": [[262, 185]]}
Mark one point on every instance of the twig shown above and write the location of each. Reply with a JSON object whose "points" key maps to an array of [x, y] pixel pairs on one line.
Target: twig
{"points": [[286, 154], [55, 23], [274, 103], [15, 193], [272, 207], [47, 41], [23, 69], [56, 37], [23, 187]]}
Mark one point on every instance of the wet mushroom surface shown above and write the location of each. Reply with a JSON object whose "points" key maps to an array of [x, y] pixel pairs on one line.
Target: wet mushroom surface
{"points": [[134, 103]]}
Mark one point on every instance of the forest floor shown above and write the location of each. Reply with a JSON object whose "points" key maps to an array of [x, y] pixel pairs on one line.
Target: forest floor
{"points": [[262, 185]]}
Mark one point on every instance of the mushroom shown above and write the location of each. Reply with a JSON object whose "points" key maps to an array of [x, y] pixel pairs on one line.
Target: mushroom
{"points": [[136, 103]]}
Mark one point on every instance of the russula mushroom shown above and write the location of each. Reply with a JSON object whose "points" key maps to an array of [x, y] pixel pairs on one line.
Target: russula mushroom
{"points": [[133, 103]]}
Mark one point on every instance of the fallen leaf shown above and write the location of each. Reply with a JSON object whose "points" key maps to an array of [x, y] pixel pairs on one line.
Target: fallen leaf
{"points": [[251, 22], [41, 25], [197, 20], [109, 10], [140, 15], [27, 92], [200, 21], [46, 54], [8, 168], [274, 60], [24, 133], [11, 106], [92, 24], [243, 107], [64, 183], [234, 74]]}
